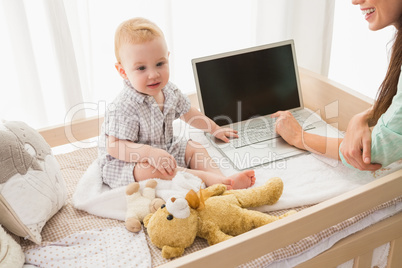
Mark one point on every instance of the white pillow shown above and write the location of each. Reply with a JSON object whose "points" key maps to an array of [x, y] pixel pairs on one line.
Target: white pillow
{"points": [[32, 188]]}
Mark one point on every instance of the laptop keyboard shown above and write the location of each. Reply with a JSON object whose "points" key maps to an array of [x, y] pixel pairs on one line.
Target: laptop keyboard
{"points": [[262, 131]]}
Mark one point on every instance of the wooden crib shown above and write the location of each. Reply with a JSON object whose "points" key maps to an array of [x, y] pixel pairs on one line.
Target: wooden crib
{"points": [[341, 103]]}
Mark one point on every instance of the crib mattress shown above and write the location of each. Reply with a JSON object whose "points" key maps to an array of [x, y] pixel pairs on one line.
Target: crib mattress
{"points": [[69, 221]]}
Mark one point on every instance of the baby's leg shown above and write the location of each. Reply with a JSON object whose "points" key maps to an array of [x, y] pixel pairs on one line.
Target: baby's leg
{"points": [[241, 180], [210, 178], [143, 171], [146, 171], [202, 166], [197, 158]]}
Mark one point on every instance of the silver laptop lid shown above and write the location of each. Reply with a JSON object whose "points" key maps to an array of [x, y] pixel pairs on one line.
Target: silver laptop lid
{"points": [[248, 83]]}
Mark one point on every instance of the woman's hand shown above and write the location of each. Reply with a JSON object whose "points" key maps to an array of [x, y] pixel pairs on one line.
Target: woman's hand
{"points": [[225, 133], [289, 129], [356, 146], [162, 161]]}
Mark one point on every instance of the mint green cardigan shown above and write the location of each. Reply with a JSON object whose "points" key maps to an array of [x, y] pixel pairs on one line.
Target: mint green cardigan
{"points": [[386, 137]]}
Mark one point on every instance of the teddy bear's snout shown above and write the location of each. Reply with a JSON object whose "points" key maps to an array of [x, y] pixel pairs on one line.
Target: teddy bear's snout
{"points": [[178, 207]]}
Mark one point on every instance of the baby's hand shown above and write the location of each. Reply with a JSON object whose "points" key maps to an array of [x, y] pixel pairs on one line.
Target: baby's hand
{"points": [[162, 161], [225, 133]]}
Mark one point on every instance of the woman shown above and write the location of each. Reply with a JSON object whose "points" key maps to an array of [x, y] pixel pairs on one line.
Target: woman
{"points": [[362, 148]]}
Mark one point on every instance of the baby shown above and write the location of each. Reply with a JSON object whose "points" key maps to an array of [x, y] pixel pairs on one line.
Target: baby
{"points": [[138, 132]]}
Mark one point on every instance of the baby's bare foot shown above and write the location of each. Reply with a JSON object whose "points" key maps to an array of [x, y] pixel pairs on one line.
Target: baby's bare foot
{"points": [[212, 179], [243, 180], [228, 182]]}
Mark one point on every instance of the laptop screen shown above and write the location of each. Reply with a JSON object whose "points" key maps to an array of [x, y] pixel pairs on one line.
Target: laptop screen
{"points": [[237, 86]]}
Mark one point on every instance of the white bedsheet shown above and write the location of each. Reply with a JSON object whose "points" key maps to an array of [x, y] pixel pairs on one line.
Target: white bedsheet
{"points": [[308, 179], [113, 247]]}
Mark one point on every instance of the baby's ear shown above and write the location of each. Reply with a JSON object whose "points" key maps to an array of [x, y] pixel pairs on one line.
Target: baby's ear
{"points": [[120, 70]]}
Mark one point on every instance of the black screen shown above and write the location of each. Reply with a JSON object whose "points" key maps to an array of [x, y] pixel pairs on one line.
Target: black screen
{"points": [[240, 87]]}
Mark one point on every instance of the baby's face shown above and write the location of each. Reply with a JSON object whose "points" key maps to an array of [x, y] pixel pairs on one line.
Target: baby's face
{"points": [[146, 65]]}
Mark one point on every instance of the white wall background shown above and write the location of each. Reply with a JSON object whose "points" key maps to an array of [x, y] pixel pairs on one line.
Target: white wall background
{"points": [[359, 57], [57, 54]]}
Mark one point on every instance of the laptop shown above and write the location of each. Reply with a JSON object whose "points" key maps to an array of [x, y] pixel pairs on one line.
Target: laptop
{"points": [[241, 89]]}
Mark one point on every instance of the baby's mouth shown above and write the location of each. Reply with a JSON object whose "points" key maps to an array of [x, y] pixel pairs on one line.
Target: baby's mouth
{"points": [[154, 85]]}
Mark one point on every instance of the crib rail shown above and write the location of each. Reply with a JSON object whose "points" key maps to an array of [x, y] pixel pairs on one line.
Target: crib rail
{"points": [[268, 238]]}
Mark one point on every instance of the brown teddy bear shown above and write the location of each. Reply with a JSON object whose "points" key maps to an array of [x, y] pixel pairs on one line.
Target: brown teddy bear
{"points": [[214, 214]]}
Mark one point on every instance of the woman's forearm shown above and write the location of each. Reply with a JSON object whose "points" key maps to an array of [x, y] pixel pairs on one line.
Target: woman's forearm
{"points": [[322, 145]]}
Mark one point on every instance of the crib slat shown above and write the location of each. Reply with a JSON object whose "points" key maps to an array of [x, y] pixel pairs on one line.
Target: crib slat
{"points": [[72, 132], [395, 253], [358, 243], [364, 260]]}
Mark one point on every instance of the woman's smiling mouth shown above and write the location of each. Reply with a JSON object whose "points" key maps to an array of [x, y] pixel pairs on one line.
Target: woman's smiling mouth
{"points": [[368, 12]]}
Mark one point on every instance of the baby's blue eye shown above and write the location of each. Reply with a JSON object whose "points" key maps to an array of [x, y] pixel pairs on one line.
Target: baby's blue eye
{"points": [[160, 64], [142, 68]]}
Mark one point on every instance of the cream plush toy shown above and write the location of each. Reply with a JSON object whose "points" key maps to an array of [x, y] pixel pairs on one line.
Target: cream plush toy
{"points": [[11, 254], [214, 214], [138, 206]]}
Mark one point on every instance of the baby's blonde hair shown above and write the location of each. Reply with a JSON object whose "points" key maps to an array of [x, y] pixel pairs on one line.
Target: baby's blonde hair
{"points": [[135, 31]]}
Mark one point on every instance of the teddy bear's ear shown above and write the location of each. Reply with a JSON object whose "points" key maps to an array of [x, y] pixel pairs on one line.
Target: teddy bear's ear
{"points": [[171, 252], [202, 195], [192, 199]]}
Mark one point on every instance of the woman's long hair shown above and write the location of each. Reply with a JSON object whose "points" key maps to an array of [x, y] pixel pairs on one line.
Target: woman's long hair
{"points": [[389, 86]]}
